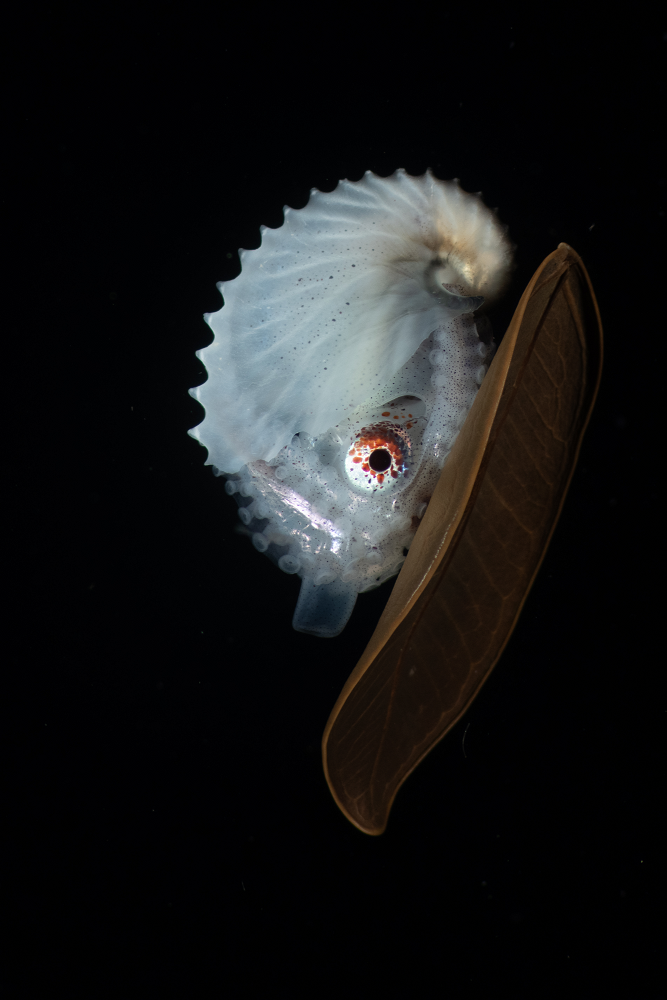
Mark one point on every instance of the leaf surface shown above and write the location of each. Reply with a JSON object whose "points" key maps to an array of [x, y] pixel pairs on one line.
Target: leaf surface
{"points": [[478, 548]]}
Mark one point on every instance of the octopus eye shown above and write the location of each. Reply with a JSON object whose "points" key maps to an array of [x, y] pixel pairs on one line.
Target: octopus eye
{"points": [[379, 458]]}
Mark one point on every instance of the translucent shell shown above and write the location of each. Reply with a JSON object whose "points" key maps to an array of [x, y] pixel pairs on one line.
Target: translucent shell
{"points": [[334, 302], [344, 362]]}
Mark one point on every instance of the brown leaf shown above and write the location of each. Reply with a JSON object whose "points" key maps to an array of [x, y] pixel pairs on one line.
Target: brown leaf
{"points": [[478, 549]]}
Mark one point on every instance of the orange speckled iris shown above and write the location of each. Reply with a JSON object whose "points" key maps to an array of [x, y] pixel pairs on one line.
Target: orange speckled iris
{"points": [[379, 456]]}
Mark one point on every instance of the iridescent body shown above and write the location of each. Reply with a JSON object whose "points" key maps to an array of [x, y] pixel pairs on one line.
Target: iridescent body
{"points": [[345, 360]]}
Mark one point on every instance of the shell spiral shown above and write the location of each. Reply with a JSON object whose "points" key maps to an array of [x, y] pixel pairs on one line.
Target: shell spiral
{"points": [[353, 320]]}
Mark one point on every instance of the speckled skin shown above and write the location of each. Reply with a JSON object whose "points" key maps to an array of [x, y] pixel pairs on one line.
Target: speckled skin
{"points": [[334, 399]]}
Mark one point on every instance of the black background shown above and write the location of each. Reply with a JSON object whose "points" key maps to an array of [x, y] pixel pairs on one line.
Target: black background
{"points": [[166, 817]]}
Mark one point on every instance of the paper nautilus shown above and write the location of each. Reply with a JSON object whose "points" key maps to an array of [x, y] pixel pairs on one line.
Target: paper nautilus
{"points": [[351, 406]]}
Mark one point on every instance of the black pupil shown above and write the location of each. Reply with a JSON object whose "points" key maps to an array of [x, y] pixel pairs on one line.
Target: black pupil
{"points": [[379, 460]]}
